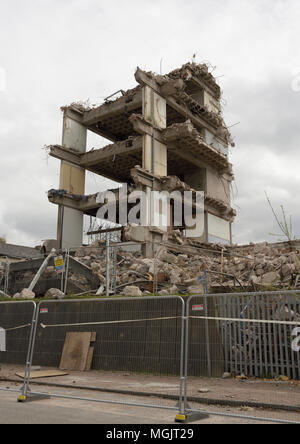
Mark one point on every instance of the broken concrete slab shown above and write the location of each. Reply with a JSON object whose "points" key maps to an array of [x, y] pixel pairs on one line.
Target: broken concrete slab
{"points": [[270, 278], [132, 291], [27, 294], [54, 293]]}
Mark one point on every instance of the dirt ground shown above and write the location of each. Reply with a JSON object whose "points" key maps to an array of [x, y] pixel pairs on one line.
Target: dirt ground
{"points": [[241, 397]]}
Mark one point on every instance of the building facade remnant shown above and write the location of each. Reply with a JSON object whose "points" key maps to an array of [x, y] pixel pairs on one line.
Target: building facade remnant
{"points": [[168, 134]]}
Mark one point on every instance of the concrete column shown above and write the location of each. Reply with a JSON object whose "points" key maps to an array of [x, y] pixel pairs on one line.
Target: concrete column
{"points": [[155, 156], [155, 113], [72, 179]]}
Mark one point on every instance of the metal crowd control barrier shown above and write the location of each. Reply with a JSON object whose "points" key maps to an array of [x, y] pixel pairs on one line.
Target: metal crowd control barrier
{"points": [[250, 335], [247, 335], [17, 320], [144, 334]]}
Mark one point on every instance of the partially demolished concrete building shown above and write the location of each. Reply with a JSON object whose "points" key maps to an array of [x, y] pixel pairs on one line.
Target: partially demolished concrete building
{"points": [[168, 133]]}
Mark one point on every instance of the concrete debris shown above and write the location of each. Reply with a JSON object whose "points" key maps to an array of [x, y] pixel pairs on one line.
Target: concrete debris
{"points": [[173, 290], [163, 293], [164, 256], [203, 390], [180, 262], [186, 72], [283, 378], [195, 289], [178, 269], [246, 409], [270, 278], [132, 291], [54, 293], [27, 294], [227, 375]]}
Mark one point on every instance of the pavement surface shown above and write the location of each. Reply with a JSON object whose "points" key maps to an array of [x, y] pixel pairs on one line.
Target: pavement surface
{"points": [[123, 388], [70, 411], [233, 389]]}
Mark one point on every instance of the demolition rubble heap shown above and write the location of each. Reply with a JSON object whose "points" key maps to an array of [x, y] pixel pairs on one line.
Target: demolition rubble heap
{"points": [[178, 266]]}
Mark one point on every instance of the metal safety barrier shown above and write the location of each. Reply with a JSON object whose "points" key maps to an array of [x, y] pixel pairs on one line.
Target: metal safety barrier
{"points": [[17, 320], [143, 335], [251, 337]]}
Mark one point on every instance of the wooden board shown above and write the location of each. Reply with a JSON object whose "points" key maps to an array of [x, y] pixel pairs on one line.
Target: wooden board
{"points": [[43, 374], [89, 360], [76, 350], [91, 352]]}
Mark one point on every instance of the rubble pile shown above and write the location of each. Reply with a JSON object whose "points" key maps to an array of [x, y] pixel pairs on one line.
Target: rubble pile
{"points": [[272, 264], [180, 264], [51, 273], [179, 267]]}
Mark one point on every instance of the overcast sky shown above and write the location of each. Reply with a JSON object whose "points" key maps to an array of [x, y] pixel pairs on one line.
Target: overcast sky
{"points": [[55, 52]]}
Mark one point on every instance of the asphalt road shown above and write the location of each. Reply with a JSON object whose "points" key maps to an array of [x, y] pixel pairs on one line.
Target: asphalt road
{"points": [[69, 411], [65, 411]]}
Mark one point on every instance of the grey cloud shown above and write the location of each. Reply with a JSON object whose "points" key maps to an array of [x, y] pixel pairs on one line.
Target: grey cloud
{"points": [[268, 114], [57, 52], [266, 154]]}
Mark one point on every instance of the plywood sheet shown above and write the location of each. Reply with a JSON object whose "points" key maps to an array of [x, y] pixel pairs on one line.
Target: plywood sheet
{"points": [[43, 374], [75, 351], [89, 359]]}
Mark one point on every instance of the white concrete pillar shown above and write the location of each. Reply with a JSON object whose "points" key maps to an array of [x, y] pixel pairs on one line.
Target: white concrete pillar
{"points": [[155, 156], [154, 152], [72, 179]]}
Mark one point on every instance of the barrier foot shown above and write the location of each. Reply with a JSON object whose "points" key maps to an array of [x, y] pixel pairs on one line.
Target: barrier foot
{"points": [[32, 397], [191, 417]]}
